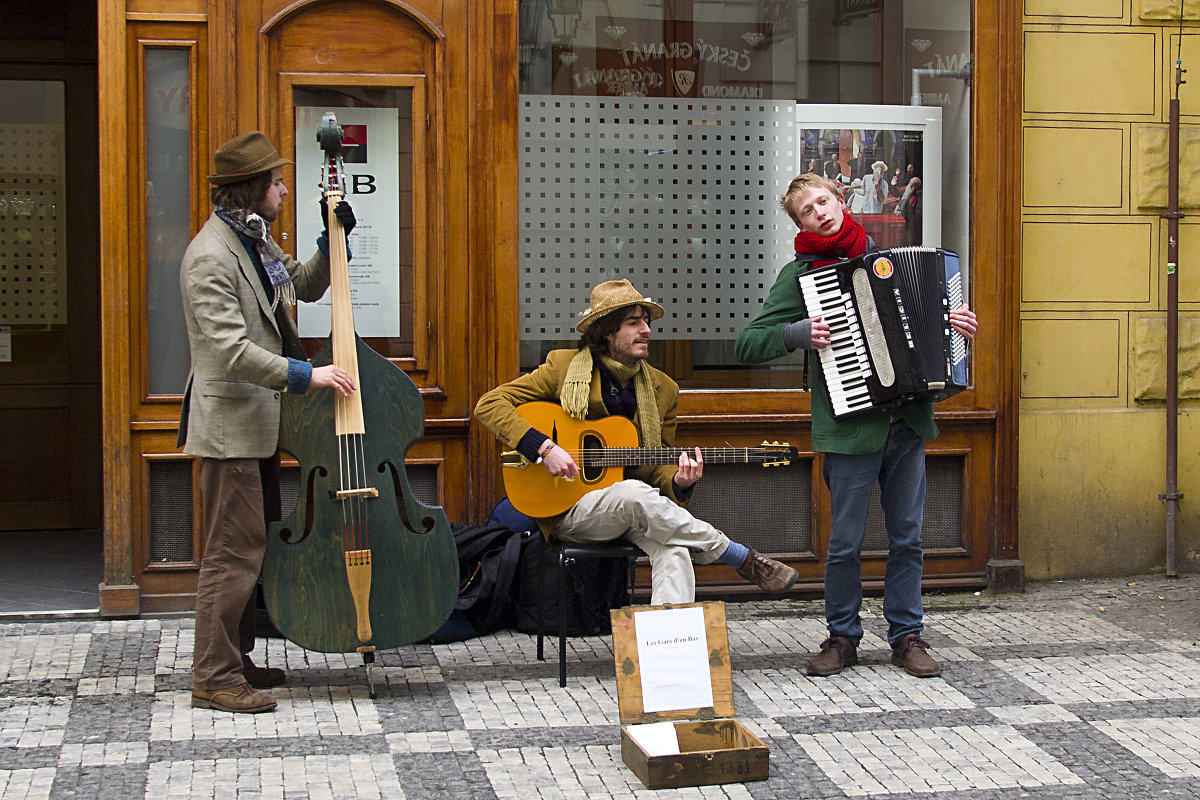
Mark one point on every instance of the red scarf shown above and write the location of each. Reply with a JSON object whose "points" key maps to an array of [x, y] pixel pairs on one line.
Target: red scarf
{"points": [[849, 242]]}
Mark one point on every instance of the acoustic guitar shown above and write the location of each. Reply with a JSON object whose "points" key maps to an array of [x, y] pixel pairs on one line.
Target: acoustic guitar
{"points": [[602, 448]]}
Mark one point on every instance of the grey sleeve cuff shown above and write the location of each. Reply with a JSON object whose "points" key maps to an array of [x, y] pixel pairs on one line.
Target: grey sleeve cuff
{"points": [[798, 335]]}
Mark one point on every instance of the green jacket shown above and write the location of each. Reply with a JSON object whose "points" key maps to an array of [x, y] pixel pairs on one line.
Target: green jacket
{"points": [[762, 340]]}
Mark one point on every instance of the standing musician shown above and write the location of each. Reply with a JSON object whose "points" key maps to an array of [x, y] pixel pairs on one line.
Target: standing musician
{"points": [[239, 289], [887, 446], [608, 375]]}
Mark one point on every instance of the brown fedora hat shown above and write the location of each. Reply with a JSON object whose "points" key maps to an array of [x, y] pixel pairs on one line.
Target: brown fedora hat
{"points": [[612, 295], [244, 157]]}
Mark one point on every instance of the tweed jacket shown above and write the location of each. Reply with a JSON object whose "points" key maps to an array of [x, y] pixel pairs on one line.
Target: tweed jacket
{"points": [[232, 401], [496, 410]]}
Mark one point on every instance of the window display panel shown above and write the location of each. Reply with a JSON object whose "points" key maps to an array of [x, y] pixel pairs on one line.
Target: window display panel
{"points": [[657, 141], [378, 155]]}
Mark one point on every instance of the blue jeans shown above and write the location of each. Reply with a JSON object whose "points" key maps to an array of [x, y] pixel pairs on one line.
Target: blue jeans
{"points": [[900, 469]]}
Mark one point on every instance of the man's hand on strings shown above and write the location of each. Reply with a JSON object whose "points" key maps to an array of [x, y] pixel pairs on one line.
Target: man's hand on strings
{"points": [[332, 376], [690, 469], [558, 461]]}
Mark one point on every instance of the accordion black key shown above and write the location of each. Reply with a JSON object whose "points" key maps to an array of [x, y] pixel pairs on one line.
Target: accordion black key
{"points": [[890, 335]]}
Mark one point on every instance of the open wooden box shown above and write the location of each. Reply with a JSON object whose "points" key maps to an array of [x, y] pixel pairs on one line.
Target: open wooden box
{"points": [[712, 746]]}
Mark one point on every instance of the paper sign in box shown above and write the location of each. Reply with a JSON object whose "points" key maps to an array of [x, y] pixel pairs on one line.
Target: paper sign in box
{"points": [[712, 746]]}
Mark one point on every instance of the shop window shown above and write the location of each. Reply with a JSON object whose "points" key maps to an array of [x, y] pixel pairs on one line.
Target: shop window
{"points": [[380, 175], [656, 141]]}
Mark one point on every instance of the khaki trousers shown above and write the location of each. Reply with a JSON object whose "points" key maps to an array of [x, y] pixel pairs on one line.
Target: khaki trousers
{"points": [[240, 496], [662, 529]]}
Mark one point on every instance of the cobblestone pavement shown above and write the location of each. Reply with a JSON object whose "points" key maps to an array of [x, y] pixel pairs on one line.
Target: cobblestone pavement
{"points": [[1083, 689]]}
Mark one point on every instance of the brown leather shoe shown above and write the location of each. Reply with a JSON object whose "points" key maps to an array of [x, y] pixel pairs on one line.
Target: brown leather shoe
{"points": [[836, 652], [236, 699], [262, 677], [767, 574], [909, 652]]}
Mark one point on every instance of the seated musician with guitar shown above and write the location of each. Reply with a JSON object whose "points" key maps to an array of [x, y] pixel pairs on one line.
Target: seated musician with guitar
{"points": [[884, 445], [608, 375]]}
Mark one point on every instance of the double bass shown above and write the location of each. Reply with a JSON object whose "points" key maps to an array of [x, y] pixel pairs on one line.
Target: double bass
{"points": [[360, 563]]}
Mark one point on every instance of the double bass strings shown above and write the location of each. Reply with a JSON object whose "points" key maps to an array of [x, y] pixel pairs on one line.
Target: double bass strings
{"points": [[352, 476]]}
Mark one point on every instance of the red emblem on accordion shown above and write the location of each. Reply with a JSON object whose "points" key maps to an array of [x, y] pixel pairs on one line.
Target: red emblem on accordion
{"points": [[883, 268]]}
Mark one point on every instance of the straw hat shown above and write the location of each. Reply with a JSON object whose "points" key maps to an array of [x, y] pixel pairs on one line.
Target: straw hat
{"points": [[878, 164], [611, 296], [244, 157]]}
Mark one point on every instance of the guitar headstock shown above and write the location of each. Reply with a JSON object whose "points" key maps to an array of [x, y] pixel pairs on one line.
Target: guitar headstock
{"points": [[775, 454]]}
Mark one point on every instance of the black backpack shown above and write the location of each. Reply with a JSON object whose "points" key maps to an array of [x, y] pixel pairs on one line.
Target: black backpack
{"points": [[498, 565], [593, 587], [488, 560]]}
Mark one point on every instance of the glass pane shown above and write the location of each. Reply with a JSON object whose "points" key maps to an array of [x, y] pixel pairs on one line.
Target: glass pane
{"points": [[168, 215], [378, 155], [657, 141], [33, 280]]}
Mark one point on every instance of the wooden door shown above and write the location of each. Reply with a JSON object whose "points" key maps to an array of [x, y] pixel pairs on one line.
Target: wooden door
{"points": [[49, 271]]}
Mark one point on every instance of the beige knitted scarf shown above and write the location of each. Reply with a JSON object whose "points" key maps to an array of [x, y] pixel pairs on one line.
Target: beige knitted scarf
{"points": [[578, 385]]}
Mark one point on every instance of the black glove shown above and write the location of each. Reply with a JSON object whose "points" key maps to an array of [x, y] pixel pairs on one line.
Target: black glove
{"points": [[342, 211]]}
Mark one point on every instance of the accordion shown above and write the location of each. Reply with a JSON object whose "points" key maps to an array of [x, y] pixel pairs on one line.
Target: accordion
{"points": [[890, 335]]}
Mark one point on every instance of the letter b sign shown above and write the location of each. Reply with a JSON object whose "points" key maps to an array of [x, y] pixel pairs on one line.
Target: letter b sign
{"points": [[362, 184]]}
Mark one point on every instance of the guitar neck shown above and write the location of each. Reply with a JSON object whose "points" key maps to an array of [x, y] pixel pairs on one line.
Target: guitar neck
{"points": [[645, 456]]}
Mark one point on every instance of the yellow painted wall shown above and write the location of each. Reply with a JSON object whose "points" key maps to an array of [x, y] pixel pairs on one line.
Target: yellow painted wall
{"points": [[1089, 485], [1098, 78]]}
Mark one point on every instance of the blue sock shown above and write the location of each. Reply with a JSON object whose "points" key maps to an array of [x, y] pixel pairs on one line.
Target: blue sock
{"points": [[734, 555]]}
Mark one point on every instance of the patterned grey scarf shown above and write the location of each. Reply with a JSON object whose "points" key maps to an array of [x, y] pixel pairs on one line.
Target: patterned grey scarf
{"points": [[252, 226]]}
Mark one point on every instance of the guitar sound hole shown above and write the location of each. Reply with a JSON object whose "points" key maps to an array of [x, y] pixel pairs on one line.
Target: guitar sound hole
{"points": [[588, 469]]}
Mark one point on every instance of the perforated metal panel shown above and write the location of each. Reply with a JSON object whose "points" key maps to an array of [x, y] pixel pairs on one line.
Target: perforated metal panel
{"points": [[422, 479], [943, 507], [679, 196], [32, 261], [170, 511], [767, 508]]}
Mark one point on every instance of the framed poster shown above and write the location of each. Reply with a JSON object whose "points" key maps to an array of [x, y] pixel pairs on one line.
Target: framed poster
{"points": [[888, 161], [370, 152]]}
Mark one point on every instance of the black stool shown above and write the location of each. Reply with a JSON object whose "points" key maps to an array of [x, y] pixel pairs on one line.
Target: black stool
{"points": [[568, 553]]}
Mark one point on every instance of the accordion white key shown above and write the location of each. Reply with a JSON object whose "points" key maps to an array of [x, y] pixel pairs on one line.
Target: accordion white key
{"points": [[890, 333]]}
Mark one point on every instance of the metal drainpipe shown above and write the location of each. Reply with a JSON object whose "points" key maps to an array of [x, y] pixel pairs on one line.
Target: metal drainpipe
{"points": [[1172, 495]]}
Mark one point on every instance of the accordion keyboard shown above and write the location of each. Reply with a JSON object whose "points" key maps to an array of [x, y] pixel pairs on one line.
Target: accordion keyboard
{"points": [[846, 355]]}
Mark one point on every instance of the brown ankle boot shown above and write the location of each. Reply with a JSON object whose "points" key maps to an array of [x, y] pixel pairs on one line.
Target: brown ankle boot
{"points": [[767, 574], [241, 699], [261, 677], [909, 652], [836, 652]]}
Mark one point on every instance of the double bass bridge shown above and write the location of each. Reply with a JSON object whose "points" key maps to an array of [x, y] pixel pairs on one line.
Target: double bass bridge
{"points": [[350, 494]]}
